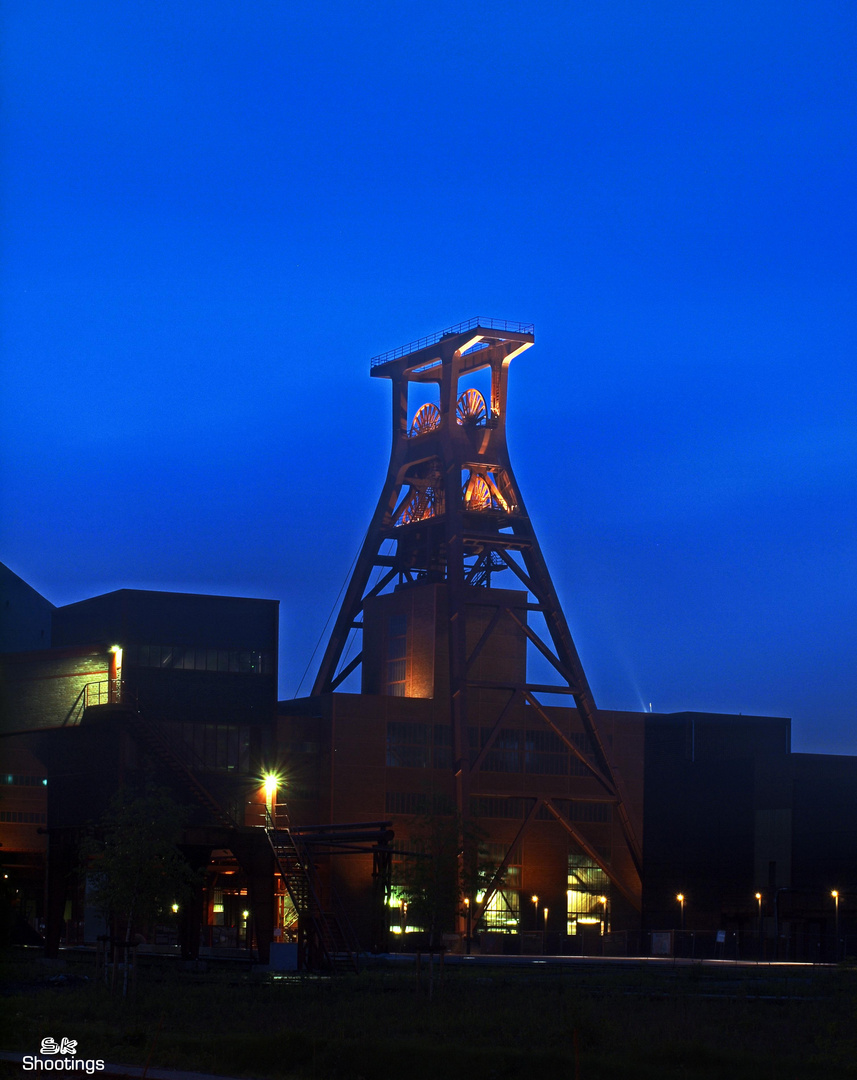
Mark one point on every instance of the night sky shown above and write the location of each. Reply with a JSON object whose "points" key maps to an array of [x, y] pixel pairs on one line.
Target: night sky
{"points": [[215, 213]]}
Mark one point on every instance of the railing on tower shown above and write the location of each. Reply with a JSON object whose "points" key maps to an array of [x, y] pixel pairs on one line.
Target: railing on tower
{"points": [[459, 328]]}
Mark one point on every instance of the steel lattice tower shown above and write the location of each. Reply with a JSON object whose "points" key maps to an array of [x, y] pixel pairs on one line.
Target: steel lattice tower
{"points": [[454, 513]]}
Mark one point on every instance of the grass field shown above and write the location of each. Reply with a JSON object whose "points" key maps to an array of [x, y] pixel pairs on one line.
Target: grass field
{"points": [[582, 1022]]}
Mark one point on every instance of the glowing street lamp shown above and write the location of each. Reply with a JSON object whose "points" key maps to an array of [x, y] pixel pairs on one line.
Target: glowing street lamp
{"points": [[546, 920], [835, 895], [535, 901], [270, 783], [603, 900], [680, 899], [759, 898]]}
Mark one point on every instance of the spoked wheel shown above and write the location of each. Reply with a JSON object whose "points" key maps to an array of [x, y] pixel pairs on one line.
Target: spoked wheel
{"points": [[477, 494], [471, 408], [427, 418]]}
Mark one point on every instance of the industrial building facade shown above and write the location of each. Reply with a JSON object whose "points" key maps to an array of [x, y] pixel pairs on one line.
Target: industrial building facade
{"points": [[592, 826]]}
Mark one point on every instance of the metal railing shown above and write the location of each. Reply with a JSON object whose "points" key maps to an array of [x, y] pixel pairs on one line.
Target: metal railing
{"points": [[459, 328], [106, 692], [103, 692]]}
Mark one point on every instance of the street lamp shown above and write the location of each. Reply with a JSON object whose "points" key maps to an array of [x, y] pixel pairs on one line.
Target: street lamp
{"points": [[603, 900], [835, 895], [546, 920], [467, 909], [680, 899], [270, 783], [759, 900], [535, 901]]}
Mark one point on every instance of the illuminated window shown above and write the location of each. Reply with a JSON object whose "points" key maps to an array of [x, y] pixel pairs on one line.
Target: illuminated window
{"points": [[588, 895], [503, 912]]}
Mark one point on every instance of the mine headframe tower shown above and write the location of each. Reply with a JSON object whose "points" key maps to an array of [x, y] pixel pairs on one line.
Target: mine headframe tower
{"points": [[451, 512]]}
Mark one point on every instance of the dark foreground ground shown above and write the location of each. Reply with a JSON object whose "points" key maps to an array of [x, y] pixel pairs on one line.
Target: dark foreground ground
{"points": [[579, 1022]]}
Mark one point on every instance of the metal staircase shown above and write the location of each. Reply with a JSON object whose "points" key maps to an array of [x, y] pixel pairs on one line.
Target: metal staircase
{"points": [[325, 936], [179, 760]]}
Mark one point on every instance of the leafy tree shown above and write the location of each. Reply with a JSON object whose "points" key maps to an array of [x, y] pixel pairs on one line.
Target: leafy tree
{"points": [[446, 863], [137, 870]]}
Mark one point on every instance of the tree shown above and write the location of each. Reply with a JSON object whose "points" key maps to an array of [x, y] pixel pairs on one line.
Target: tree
{"points": [[446, 864], [134, 862]]}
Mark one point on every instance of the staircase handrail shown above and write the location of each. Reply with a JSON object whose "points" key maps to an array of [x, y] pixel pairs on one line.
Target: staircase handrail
{"points": [[315, 910], [181, 758]]}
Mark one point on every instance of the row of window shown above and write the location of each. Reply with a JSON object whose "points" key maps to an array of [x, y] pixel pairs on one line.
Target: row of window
{"points": [[215, 747], [537, 752], [195, 658], [19, 780], [419, 746], [514, 808], [22, 817], [412, 803]]}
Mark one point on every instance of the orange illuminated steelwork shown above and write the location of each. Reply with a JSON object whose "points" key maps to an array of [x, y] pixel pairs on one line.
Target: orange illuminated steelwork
{"points": [[449, 518]]}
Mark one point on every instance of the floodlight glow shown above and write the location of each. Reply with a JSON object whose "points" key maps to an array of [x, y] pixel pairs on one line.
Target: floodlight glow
{"points": [[271, 785]]}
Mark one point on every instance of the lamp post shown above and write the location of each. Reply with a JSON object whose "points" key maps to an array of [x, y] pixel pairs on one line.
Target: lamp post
{"points": [[835, 895], [535, 901], [759, 901], [467, 910], [603, 900], [680, 899]]}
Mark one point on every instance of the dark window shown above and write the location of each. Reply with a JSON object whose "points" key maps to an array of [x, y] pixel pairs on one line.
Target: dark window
{"points": [[397, 651]]}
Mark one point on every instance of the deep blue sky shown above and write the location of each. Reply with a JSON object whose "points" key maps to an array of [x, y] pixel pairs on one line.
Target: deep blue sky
{"points": [[214, 214]]}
